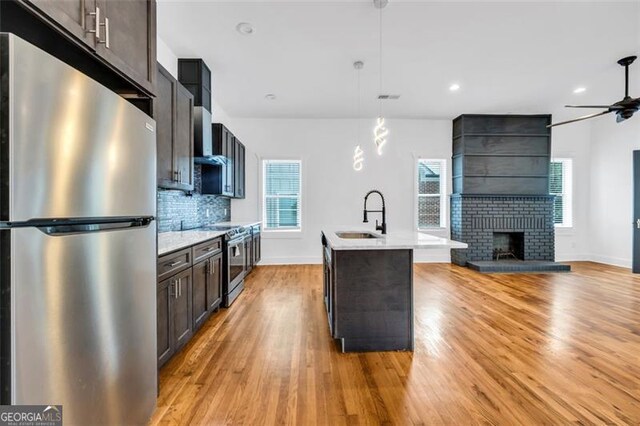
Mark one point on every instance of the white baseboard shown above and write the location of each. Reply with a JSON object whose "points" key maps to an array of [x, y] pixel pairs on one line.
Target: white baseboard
{"points": [[422, 257], [615, 261], [316, 260], [572, 257], [426, 257], [302, 260]]}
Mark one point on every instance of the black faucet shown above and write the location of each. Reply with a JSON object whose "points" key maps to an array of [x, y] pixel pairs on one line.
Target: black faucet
{"points": [[383, 226]]}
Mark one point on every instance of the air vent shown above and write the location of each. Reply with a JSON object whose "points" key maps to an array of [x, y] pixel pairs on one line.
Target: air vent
{"points": [[388, 97]]}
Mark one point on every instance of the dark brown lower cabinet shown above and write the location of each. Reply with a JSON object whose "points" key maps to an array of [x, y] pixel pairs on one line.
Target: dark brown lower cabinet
{"points": [[187, 295], [200, 277], [175, 327], [256, 246], [165, 322], [207, 288], [214, 284], [183, 329]]}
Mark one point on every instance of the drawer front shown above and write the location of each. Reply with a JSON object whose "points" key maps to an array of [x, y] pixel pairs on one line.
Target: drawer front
{"points": [[173, 263], [206, 249]]}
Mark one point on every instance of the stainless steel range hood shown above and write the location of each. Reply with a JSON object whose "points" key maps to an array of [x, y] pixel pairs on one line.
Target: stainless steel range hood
{"points": [[203, 138], [194, 75]]}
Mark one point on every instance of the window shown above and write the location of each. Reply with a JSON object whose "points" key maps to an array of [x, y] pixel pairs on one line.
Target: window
{"points": [[282, 194], [560, 186], [431, 194]]}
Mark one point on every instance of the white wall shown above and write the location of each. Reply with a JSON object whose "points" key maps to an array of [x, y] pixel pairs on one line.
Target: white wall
{"points": [[574, 141], [332, 191], [166, 57], [611, 208]]}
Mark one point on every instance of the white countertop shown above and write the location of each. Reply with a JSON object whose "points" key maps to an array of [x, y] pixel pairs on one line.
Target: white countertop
{"points": [[176, 240], [393, 241]]}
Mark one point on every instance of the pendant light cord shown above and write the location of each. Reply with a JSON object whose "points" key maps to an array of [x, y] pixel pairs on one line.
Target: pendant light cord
{"points": [[380, 74], [358, 109]]}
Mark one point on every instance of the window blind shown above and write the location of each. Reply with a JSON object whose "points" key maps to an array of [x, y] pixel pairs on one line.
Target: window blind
{"points": [[556, 183], [559, 185], [282, 186], [430, 193]]}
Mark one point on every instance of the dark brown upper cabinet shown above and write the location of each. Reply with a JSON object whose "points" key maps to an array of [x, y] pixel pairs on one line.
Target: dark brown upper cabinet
{"points": [[119, 35], [71, 15], [219, 178], [173, 112], [227, 176], [195, 75], [238, 171], [128, 38]]}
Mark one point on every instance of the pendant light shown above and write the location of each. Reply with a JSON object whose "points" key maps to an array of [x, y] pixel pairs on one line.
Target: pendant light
{"points": [[380, 131], [358, 153]]}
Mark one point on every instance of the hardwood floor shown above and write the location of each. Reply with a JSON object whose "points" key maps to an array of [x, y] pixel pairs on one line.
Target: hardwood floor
{"points": [[498, 349]]}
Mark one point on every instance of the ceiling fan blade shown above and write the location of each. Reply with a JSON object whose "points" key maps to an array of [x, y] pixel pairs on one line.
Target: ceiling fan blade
{"points": [[595, 106], [584, 117]]}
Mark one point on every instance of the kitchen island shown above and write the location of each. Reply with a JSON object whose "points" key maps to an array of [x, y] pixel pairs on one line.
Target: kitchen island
{"points": [[368, 286]]}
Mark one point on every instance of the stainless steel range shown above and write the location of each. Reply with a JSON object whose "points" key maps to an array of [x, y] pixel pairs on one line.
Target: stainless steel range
{"points": [[235, 258]]}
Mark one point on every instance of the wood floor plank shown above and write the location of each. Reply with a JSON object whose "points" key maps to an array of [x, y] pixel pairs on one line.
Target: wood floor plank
{"points": [[490, 349]]}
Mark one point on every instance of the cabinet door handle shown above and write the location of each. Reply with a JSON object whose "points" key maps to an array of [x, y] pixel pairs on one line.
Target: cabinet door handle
{"points": [[106, 32], [638, 223], [211, 267], [96, 15], [180, 287]]}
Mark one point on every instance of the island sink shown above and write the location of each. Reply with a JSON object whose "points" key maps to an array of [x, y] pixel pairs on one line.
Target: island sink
{"points": [[355, 235]]}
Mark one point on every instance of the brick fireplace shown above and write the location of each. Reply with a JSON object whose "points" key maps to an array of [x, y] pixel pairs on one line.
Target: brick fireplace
{"points": [[500, 204]]}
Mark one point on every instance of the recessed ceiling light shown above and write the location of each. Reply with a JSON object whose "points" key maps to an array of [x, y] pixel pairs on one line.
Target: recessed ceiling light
{"points": [[270, 97], [245, 28], [580, 90], [454, 87]]}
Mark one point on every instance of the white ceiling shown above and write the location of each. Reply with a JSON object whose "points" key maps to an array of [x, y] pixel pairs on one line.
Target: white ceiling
{"points": [[507, 56]]}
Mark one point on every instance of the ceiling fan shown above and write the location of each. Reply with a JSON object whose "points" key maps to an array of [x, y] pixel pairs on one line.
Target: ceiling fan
{"points": [[624, 109]]}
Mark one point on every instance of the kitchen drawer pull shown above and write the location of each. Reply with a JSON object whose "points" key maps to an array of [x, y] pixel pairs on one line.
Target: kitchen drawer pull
{"points": [[172, 264], [209, 249]]}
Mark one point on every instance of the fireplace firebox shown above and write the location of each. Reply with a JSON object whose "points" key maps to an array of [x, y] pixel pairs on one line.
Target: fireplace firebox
{"points": [[508, 245]]}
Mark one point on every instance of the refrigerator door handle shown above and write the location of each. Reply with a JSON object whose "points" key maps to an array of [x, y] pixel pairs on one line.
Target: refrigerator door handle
{"points": [[57, 227]]}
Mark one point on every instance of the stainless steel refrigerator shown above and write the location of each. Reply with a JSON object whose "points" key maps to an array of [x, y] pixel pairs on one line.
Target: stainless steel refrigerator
{"points": [[77, 243]]}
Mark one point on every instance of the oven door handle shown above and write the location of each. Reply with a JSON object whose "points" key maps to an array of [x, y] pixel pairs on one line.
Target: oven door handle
{"points": [[235, 250]]}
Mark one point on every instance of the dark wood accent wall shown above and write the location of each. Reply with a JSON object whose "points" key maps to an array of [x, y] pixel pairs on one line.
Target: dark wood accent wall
{"points": [[501, 154]]}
